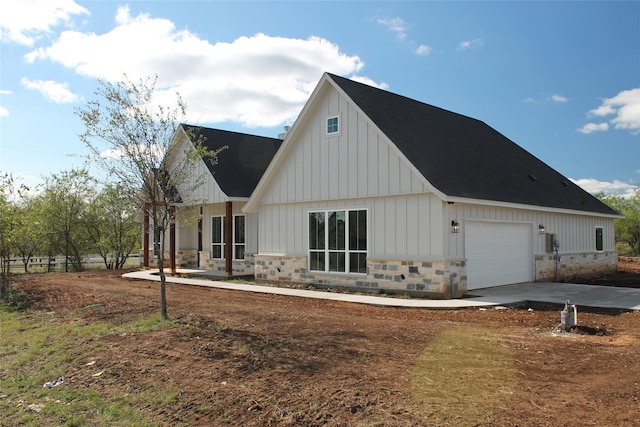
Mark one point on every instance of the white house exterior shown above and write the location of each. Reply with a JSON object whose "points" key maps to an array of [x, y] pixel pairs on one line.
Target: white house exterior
{"points": [[377, 192], [216, 202]]}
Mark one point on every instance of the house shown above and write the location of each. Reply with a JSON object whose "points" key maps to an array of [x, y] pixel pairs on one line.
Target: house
{"points": [[374, 191], [199, 241]]}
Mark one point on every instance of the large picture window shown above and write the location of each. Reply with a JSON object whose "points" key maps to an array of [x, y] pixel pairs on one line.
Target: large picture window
{"points": [[218, 229], [338, 241]]}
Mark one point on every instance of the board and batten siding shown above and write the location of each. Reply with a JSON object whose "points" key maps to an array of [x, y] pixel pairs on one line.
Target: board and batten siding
{"points": [[219, 209], [357, 163], [400, 227], [576, 233], [208, 190]]}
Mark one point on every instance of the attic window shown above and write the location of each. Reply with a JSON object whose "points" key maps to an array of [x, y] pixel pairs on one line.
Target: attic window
{"points": [[333, 125]]}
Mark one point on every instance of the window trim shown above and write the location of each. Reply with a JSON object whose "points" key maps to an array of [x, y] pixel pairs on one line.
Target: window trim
{"points": [[601, 228], [338, 125], [222, 244], [347, 251], [244, 237]]}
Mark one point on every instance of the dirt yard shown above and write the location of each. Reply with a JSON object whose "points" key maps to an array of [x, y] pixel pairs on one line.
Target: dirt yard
{"points": [[259, 360]]}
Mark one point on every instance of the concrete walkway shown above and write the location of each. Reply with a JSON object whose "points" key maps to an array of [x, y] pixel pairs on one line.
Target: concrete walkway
{"points": [[557, 293]]}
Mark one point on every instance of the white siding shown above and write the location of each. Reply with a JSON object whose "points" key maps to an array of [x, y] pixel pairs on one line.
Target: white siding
{"points": [[219, 209], [358, 162], [399, 226], [201, 187], [576, 233]]}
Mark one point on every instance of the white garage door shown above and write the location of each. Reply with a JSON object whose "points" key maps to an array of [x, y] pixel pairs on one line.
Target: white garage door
{"points": [[497, 253]]}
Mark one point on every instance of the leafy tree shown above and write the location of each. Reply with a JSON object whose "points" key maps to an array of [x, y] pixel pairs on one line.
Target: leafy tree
{"points": [[133, 140], [8, 226], [66, 197], [112, 226], [627, 229], [31, 234]]}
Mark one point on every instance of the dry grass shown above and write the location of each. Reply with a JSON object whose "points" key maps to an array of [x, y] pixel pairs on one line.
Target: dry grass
{"points": [[464, 377]]}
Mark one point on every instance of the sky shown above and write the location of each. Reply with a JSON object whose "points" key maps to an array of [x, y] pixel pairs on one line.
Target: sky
{"points": [[560, 79]]}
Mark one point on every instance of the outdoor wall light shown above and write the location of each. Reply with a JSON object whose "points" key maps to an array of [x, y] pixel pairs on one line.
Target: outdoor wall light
{"points": [[541, 229], [455, 227]]}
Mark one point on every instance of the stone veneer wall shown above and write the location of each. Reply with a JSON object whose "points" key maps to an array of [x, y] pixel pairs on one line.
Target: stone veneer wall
{"points": [[434, 278], [243, 267], [575, 265], [187, 259]]}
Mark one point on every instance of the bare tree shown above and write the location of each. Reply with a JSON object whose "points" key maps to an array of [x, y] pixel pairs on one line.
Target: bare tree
{"points": [[136, 142]]}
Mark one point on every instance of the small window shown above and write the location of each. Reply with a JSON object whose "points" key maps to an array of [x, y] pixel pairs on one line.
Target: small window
{"points": [[238, 237], [217, 237], [333, 125], [599, 239]]}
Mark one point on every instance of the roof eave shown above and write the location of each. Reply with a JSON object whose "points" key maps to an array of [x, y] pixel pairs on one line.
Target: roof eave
{"points": [[522, 206]]}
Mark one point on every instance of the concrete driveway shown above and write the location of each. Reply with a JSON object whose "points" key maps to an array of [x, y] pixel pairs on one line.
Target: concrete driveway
{"points": [[558, 293]]}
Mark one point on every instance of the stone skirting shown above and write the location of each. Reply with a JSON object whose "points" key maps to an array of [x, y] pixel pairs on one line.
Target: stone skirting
{"points": [[434, 278], [242, 267], [574, 266], [187, 259]]}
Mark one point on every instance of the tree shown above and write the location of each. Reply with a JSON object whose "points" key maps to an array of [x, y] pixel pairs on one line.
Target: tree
{"points": [[112, 226], [31, 234], [627, 230], [8, 226], [66, 197], [134, 141]]}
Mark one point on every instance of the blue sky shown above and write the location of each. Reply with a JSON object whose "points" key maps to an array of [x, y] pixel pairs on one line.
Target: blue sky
{"points": [[561, 79]]}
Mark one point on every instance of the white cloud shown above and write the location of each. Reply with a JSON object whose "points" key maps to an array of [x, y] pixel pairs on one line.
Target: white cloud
{"points": [[5, 92], [23, 21], [625, 107], [396, 25], [368, 81], [559, 98], [616, 187], [593, 127], [468, 44], [54, 91], [3, 111], [258, 80], [423, 50]]}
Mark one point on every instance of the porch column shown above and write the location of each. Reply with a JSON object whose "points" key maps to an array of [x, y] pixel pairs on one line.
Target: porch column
{"points": [[172, 239], [228, 238], [145, 237]]}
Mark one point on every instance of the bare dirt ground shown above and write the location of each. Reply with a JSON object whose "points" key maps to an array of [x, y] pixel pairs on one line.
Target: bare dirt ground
{"points": [[257, 360]]}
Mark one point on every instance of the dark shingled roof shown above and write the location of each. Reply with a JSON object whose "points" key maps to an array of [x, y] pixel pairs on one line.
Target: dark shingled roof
{"points": [[464, 157], [240, 166]]}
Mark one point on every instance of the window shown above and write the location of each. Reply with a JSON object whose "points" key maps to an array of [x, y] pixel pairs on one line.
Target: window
{"points": [[338, 241], [217, 237], [218, 229], [333, 125], [238, 237], [599, 239]]}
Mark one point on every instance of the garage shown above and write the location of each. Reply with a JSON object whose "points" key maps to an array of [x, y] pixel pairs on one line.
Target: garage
{"points": [[498, 253]]}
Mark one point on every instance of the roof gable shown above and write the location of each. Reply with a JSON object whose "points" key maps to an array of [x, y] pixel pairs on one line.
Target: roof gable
{"points": [[465, 158], [242, 164]]}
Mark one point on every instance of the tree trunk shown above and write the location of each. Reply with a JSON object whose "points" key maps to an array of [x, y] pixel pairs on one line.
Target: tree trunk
{"points": [[163, 281]]}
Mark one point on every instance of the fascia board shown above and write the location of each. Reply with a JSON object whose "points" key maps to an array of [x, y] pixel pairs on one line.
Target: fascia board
{"points": [[520, 206]]}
